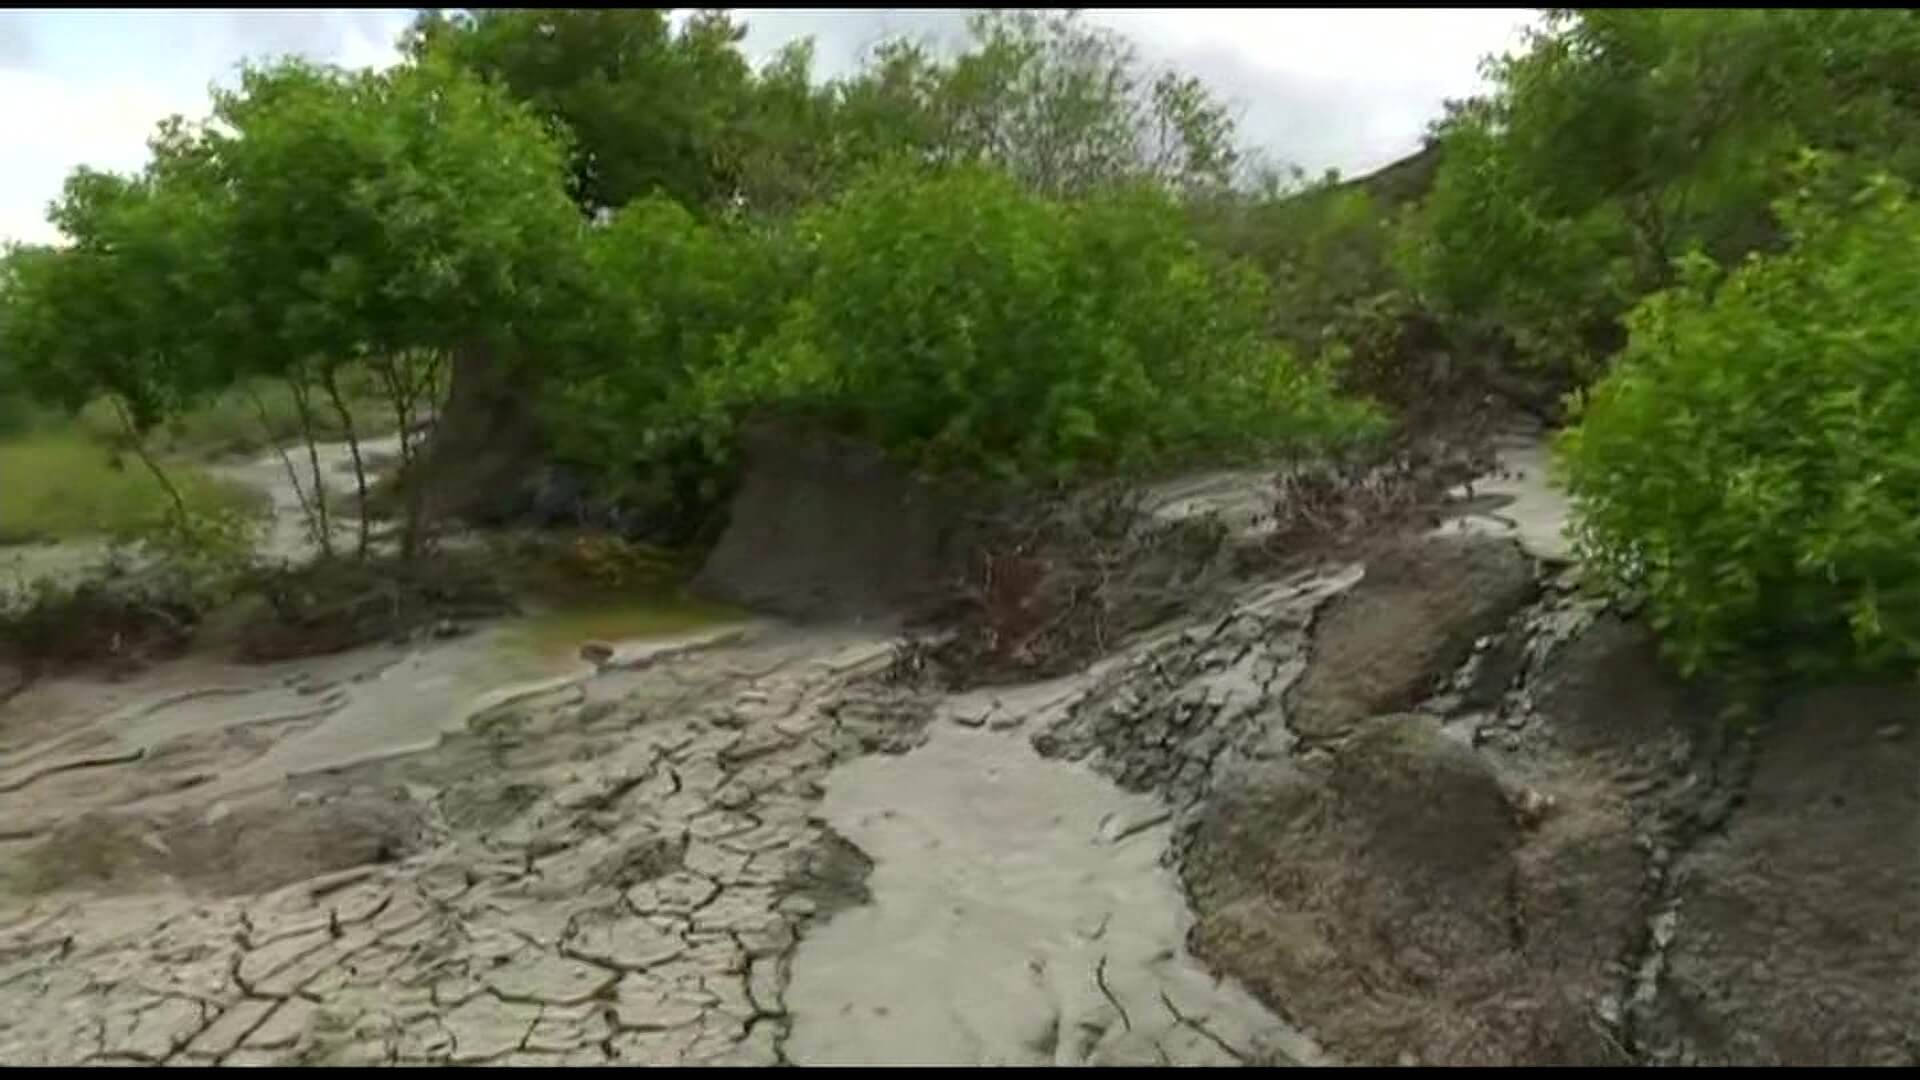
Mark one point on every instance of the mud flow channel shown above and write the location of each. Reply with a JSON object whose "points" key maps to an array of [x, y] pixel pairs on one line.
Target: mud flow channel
{"points": [[1020, 914]]}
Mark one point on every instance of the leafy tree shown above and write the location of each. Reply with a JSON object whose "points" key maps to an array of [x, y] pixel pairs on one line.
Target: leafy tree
{"points": [[963, 323], [1326, 248], [114, 313], [1623, 138], [647, 398], [319, 219], [385, 219], [958, 321], [1782, 537], [1063, 106], [650, 110]]}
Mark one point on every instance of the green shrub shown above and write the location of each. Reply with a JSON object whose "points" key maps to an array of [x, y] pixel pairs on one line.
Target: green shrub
{"points": [[958, 322], [963, 324], [1619, 139], [1484, 253], [648, 397], [1752, 464], [1326, 248]]}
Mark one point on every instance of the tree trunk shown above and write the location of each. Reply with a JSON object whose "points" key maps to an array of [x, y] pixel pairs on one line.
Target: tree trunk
{"points": [[410, 381], [293, 472], [485, 442], [303, 406], [140, 450], [332, 385]]}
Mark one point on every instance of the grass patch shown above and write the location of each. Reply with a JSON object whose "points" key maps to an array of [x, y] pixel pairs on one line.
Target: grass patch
{"points": [[231, 423], [58, 485]]}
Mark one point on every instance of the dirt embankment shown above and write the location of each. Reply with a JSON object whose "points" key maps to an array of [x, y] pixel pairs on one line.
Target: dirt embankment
{"points": [[824, 529], [1451, 824]]}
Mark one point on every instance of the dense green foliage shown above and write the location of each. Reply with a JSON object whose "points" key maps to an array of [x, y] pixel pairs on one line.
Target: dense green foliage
{"points": [[1626, 199], [964, 322], [913, 308], [1063, 106], [1036, 257], [1752, 463], [1327, 251], [320, 223], [958, 321], [1621, 139], [647, 397], [652, 110], [977, 259]]}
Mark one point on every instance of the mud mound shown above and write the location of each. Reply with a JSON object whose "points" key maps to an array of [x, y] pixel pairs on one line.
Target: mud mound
{"points": [[1605, 692], [824, 528], [231, 849], [1795, 944], [1606, 707], [1415, 617], [1392, 899]]}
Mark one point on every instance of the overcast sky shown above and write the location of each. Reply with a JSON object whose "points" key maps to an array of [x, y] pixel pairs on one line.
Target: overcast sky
{"points": [[1351, 89]]}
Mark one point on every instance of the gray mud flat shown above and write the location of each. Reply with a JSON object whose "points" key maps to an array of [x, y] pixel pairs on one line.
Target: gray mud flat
{"points": [[692, 856], [1020, 914]]}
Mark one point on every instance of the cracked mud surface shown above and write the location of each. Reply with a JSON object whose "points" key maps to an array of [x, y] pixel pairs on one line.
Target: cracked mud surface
{"points": [[1435, 810], [454, 854], [613, 869]]}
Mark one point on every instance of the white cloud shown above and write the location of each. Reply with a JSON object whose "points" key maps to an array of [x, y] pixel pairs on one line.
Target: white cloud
{"points": [[16, 39], [102, 124], [96, 83], [1351, 88]]}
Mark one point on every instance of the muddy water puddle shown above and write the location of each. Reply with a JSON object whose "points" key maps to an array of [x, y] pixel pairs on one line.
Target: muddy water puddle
{"points": [[554, 635]]}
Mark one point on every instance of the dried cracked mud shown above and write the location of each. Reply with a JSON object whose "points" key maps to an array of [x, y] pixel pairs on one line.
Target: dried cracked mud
{"points": [[740, 848], [1437, 809], [746, 848]]}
